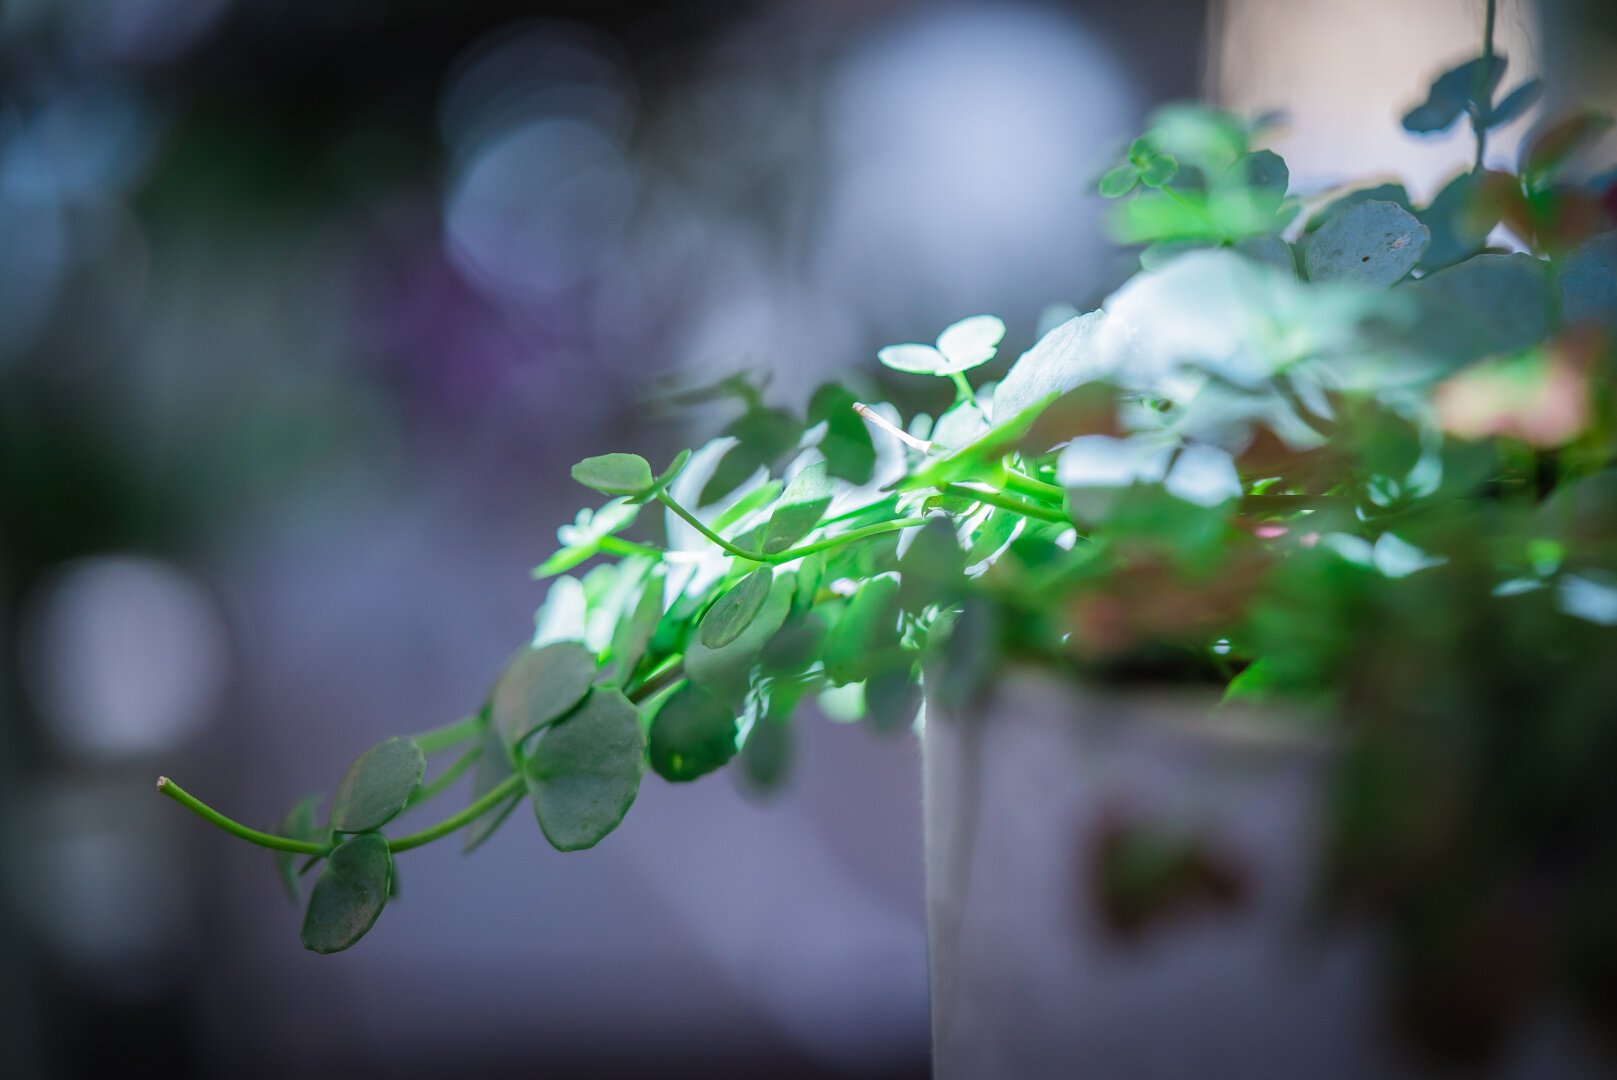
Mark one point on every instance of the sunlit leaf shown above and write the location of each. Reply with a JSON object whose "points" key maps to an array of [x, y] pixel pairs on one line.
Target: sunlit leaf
{"points": [[1062, 359], [377, 786], [970, 342], [733, 612], [349, 895], [614, 474], [724, 672], [914, 359], [800, 509]]}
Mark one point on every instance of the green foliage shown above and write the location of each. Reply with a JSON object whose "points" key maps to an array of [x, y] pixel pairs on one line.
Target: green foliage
{"points": [[615, 474], [377, 786], [349, 895], [1358, 470], [584, 771]]}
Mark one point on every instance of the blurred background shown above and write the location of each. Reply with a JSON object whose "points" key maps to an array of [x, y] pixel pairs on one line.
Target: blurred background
{"points": [[306, 306]]}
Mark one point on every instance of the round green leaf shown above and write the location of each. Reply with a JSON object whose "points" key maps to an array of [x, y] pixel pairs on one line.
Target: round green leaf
{"points": [[693, 734], [377, 786], [1588, 282], [892, 699], [1119, 181], [585, 771], [615, 474], [300, 824], [1371, 243], [349, 895], [539, 687], [914, 359], [865, 634], [669, 475], [725, 672], [970, 342], [805, 501], [734, 611]]}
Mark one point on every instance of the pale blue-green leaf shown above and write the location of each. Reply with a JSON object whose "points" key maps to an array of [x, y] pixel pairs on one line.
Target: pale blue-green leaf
{"points": [[1587, 279], [1489, 305], [962, 423], [1271, 250], [915, 359], [970, 342], [1460, 218], [584, 772], [563, 615], [1371, 243], [1062, 359], [1516, 102], [1590, 595], [1473, 81], [1203, 475]]}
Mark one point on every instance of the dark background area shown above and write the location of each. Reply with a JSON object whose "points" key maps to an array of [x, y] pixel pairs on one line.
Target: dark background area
{"points": [[305, 310]]}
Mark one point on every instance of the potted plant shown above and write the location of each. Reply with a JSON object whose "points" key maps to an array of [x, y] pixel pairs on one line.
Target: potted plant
{"points": [[1262, 617]]}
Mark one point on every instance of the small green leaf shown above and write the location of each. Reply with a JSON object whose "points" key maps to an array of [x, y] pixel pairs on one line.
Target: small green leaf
{"points": [[734, 611], [614, 474], [493, 769], [1265, 170], [633, 633], [585, 771], [850, 453], [726, 672], [1470, 84], [349, 894], [763, 436], [539, 687], [692, 734], [668, 476], [1158, 170], [914, 359], [1119, 181], [970, 342], [992, 534], [866, 635], [1460, 220], [1270, 250], [377, 786], [930, 569], [300, 824], [805, 501], [1371, 243], [1516, 102]]}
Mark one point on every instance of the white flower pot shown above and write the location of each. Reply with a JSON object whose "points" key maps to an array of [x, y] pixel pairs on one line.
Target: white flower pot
{"points": [[1029, 979]]}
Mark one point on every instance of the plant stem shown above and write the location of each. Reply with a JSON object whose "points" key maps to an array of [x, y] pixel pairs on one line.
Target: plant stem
{"points": [[236, 828], [450, 735], [872, 416], [615, 546], [509, 786], [1479, 121], [1007, 502], [790, 553], [962, 388], [666, 677], [1023, 484], [441, 782]]}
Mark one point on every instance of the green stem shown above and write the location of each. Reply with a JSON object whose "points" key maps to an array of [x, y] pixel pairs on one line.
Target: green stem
{"points": [[649, 686], [236, 828], [1479, 121], [962, 388], [615, 546], [1023, 484], [450, 735], [510, 786], [1007, 502], [441, 782], [790, 553]]}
